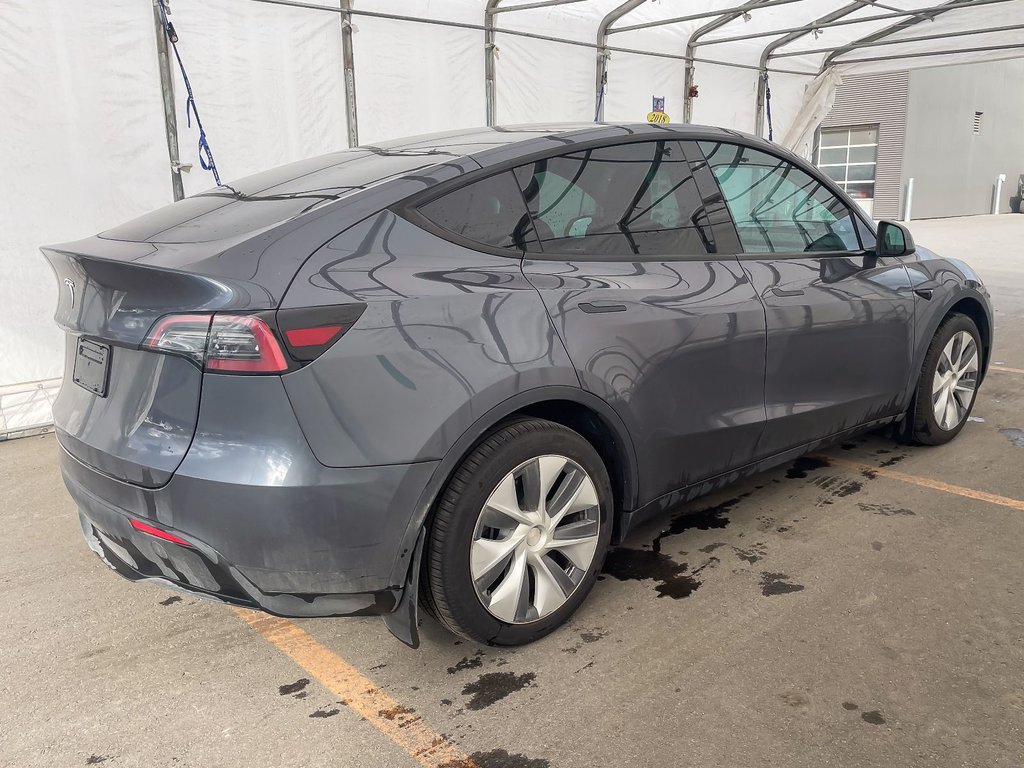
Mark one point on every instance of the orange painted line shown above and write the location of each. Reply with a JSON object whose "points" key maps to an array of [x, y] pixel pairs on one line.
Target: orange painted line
{"points": [[359, 693], [1004, 369], [926, 482]]}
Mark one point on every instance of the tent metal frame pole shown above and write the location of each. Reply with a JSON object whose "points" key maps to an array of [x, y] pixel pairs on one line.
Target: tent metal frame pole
{"points": [[938, 36], [861, 20], [603, 53], [489, 61], [694, 41], [697, 16], [517, 33], [167, 93], [539, 4], [898, 56], [491, 10], [886, 32], [349, 63], [769, 50]]}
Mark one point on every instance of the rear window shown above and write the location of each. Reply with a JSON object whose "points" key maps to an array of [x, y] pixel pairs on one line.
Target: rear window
{"points": [[490, 211], [269, 198]]}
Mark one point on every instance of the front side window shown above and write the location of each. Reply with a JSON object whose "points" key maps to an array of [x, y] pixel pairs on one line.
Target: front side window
{"points": [[489, 211], [617, 202], [777, 207]]}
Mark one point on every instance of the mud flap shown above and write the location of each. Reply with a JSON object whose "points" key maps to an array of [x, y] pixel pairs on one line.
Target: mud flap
{"points": [[403, 622]]}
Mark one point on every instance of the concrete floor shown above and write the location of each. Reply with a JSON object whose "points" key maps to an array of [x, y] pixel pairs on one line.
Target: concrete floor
{"points": [[841, 619]]}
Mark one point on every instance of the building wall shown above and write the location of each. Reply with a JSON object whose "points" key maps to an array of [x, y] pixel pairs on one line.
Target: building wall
{"points": [[954, 170], [877, 99]]}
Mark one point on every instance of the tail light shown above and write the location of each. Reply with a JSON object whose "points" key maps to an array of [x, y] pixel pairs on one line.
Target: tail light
{"points": [[248, 343], [158, 533]]}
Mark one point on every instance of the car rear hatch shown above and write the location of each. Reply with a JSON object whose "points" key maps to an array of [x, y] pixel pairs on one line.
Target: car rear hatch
{"points": [[127, 411], [130, 411]]}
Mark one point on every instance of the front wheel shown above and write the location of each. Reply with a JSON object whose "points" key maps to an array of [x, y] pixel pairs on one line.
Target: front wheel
{"points": [[519, 534], [949, 381]]}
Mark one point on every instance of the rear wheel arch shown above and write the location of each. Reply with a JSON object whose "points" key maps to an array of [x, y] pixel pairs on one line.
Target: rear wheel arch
{"points": [[571, 407]]}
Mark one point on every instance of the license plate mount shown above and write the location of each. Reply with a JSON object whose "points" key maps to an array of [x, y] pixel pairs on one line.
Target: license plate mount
{"points": [[92, 367]]}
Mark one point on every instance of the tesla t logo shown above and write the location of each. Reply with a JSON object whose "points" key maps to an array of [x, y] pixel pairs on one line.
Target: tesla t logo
{"points": [[71, 289]]}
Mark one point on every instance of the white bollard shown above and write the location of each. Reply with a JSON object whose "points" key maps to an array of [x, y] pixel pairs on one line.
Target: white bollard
{"points": [[909, 200], [999, 193]]}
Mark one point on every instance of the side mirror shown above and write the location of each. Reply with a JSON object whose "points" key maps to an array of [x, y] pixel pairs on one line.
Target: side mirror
{"points": [[893, 239]]}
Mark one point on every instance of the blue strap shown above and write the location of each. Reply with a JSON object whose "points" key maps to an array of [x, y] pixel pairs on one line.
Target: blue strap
{"points": [[205, 153]]}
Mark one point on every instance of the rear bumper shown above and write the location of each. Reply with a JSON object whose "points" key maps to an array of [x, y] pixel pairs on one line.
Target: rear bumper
{"points": [[334, 545]]}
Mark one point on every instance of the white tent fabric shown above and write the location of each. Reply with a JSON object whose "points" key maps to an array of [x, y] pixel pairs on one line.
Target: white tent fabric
{"points": [[83, 146]]}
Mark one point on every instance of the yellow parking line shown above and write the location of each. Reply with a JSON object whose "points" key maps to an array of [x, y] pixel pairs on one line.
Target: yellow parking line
{"points": [[1004, 369], [926, 482], [358, 692]]}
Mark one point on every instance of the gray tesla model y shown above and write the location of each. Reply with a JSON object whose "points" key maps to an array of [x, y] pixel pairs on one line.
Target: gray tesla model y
{"points": [[452, 370]]}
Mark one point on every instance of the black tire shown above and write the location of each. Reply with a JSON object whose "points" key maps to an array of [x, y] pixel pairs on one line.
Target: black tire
{"points": [[925, 429], [448, 591]]}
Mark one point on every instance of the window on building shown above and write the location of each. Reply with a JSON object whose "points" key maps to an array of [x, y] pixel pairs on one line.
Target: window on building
{"points": [[848, 157]]}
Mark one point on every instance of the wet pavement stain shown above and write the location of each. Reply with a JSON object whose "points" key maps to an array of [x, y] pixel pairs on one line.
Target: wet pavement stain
{"points": [[97, 759], [171, 600], [643, 565], [874, 717], [886, 510], [894, 460], [850, 706], [495, 686], [712, 547], [498, 758], [805, 464], [752, 554], [848, 488], [592, 637], [1014, 435], [877, 546], [627, 564], [295, 687], [325, 712], [838, 487], [468, 662], [301, 695], [701, 520], [777, 584], [395, 712]]}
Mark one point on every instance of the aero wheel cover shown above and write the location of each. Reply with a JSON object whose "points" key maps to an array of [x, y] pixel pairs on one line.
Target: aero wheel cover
{"points": [[955, 381], [535, 539]]}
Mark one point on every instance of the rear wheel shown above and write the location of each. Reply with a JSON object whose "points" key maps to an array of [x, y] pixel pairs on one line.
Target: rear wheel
{"points": [[519, 534], [949, 381]]}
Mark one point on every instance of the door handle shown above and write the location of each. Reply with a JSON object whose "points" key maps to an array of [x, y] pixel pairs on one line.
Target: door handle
{"points": [[600, 307], [781, 292]]}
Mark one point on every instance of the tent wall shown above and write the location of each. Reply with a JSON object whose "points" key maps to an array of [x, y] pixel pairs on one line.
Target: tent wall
{"points": [[268, 81], [81, 148]]}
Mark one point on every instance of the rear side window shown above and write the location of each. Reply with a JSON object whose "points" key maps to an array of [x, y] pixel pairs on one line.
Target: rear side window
{"points": [[777, 207], [490, 211], [619, 201]]}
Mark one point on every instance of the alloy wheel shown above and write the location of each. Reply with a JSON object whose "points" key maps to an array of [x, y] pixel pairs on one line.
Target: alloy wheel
{"points": [[955, 380], [535, 539]]}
